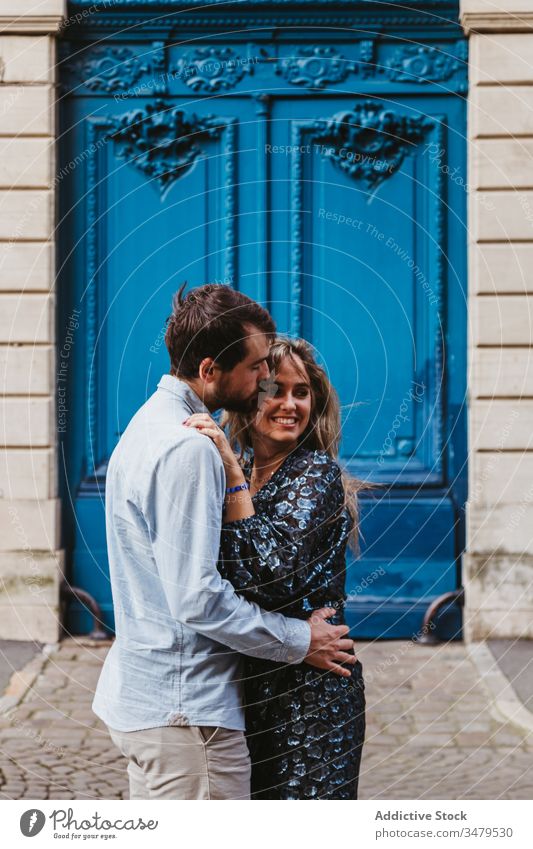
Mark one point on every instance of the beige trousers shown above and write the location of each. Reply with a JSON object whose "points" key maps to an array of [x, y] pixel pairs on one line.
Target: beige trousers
{"points": [[192, 762]]}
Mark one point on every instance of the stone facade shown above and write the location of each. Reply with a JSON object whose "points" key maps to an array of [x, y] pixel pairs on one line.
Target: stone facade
{"points": [[30, 559], [498, 564]]}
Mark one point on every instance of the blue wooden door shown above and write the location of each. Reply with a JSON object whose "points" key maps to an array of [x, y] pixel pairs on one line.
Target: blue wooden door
{"points": [[320, 171]]}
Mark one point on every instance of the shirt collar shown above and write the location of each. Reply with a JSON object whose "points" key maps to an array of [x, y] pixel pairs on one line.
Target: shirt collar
{"points": [[181, 389]]}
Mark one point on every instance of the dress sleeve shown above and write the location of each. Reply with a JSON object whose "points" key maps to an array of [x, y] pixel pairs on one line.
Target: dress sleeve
{"points": [[276, 558]]}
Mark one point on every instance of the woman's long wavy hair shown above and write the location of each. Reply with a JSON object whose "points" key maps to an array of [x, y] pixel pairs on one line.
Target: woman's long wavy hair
{"points": [[323, 431]]}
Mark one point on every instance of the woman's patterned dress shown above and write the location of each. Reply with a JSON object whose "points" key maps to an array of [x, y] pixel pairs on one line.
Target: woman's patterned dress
{"points": [[305, 727]]}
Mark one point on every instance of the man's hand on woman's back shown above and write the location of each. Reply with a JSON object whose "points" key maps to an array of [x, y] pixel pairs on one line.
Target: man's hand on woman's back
{"points": [[329, 647]]}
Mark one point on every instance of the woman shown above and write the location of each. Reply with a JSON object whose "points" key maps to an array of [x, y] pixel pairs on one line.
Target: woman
{"points": [[289, 515]]}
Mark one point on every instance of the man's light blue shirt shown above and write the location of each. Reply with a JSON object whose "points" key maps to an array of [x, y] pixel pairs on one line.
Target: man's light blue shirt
{"points": [[180, 628]]}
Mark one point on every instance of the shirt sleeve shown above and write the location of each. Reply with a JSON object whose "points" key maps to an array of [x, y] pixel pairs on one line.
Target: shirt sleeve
{"points": [[187, 499], [280, 558]]}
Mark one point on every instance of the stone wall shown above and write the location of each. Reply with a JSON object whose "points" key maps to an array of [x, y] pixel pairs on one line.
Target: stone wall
{"points": [[498, 568], [30, 559]]}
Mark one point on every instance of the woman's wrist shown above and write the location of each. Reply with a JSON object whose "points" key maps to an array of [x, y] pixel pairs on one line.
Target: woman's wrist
{"points": [[234, 476]]}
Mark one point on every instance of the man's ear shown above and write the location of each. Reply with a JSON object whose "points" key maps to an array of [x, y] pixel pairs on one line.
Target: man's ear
{"points": [[206, 371]]}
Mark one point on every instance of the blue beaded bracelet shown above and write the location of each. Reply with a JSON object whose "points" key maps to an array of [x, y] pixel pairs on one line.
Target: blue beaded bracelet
{"points": [[237, 488]]}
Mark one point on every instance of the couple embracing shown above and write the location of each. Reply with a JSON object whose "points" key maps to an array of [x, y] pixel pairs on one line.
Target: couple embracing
{"points": [[232, 675]]}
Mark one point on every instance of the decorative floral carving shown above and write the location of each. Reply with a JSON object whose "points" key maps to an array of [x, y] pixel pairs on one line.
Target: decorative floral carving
{"points": [[366, 65], [157, 57], [107, 69], [370, 142], [314, 67], [212, 68], [415, 63], [162, 142]]}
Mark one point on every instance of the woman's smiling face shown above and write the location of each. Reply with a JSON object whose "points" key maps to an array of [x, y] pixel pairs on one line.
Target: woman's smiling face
{"points": [[284, 417]]}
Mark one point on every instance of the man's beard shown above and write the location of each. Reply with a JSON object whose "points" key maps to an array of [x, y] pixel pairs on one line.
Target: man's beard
{"points": [[239, 405]]}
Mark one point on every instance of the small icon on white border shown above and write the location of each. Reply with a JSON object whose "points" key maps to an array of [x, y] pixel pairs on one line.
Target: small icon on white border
{"points": [[32, 822]]}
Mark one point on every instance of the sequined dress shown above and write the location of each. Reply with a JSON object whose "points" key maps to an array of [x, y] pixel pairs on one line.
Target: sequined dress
{"points": [[305, 727]]}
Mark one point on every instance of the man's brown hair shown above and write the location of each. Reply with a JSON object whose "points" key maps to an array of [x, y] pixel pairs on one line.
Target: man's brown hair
{"points": [[210, 322]]}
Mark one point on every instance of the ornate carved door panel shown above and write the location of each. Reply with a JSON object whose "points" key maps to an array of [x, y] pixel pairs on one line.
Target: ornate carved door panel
{"points": [[314, 159]]}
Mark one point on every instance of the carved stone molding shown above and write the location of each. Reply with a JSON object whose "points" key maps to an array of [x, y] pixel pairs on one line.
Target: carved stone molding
{"points": [[301, 5], [38, 24], [106, 69], [211, 69], [158, 63], [161, 141], [367, 49], [197, 14], [315, 67], [418, 63], [111, 69], [497, 21], [45, 16], [370, 142]]}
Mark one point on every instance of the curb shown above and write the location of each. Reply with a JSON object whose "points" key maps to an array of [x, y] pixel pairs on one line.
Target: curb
{"points": [[22, 680], [505, 699]]}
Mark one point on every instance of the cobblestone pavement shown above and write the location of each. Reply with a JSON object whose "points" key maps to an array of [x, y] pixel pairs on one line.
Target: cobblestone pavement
{"points": [[432, 731]]}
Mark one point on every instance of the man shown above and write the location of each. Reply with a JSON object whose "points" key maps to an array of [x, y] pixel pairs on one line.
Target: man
{"points": [[169, 689]]}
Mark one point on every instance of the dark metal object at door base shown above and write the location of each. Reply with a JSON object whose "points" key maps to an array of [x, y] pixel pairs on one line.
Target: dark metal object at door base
{"points": [[427, 634], [70, 593]]}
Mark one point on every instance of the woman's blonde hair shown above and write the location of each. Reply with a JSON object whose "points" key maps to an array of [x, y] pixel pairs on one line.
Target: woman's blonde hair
{"points": [[323, 431]]}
